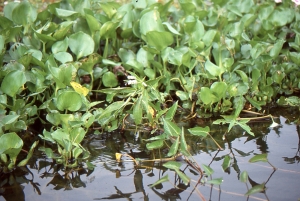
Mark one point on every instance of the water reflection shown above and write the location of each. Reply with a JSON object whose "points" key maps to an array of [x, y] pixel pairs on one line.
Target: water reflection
{"points": [[43, 179]]}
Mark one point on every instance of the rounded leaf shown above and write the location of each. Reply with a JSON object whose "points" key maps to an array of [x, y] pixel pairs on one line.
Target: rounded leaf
{"points": [[109, 79], [81, 44], [12, 82], [69, 100]]}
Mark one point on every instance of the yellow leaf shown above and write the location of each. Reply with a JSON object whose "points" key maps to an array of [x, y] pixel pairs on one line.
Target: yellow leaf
{"points": [[118, 157], [79, 89]]}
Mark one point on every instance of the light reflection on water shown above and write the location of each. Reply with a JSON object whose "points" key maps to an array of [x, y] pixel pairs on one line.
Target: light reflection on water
{"points": [[121, 181]]}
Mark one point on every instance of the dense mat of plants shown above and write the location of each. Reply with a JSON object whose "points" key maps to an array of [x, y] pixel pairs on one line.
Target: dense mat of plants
{"points": [[82, 63]]}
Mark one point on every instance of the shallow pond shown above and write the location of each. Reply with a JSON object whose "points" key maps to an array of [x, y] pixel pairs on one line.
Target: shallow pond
{"points": [[42, 179]]}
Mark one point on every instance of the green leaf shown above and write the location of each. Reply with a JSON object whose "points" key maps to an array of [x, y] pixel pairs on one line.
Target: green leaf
{"points": [[69, 100], [155, 144], [138, 111], [12, 88], [63, 57], [151, 21], [60, 46], [226, 162], [8, 119], [244, 177], [219, 89], [276, 48], [60, 136], [174, 148], [183, 145], [199, 131], [213, 69], [94, 25], [24, 14], [66, 14], [171, 128], [29, 155], [185, 179], [109, 79], [208, 170], [259, 158], [217, 181], [246, 127], [171, 111], [256, 189], [281, 16], [11, 144], [173, 165], [161, 180], [77, 134], [207, 96], [81, 44], [159, 40]]}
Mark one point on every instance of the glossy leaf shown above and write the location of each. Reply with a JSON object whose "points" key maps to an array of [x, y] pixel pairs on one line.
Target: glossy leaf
{"points": [[81, 44], [199, 131], [244, 177], [259, 158], [24, 14], [159, 40], [11, 144], [109, 79], [171, 111], [11, 88], [173, 165], [213, 69], [174, 148], [185, 179], [138, 111], [155, 144], [69, 100], [256, 189], [217, 181], [171, 128], [151, 21], [208, 170]]}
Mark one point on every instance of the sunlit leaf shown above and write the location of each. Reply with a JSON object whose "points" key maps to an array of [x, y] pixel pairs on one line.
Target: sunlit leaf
{"points": [[155, 144], [173, 165], [79, 89], [81, 44], [138, 111], [109, 79], [217, 181], [174, 148], [69, 100], [12, 88], [208, 170], [171, 128], [184, 177], [118, 157], [171, 111], [214, 69], [259, 158], [244, 177], [256, 189], [24, 13], [199, 131]]}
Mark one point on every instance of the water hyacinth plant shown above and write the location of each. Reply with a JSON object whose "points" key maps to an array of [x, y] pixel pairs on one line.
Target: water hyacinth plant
{"points": [[85, 64]]}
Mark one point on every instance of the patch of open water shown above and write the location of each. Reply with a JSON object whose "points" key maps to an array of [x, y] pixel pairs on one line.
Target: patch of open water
{"points": [[44, 180]]}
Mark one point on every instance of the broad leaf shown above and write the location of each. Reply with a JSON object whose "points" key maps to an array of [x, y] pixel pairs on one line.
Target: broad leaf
{"points": [[81, 44], [69, 100]]}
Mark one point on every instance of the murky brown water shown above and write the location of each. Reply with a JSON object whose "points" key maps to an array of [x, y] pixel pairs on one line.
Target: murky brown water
{"points": [[42, 179]]}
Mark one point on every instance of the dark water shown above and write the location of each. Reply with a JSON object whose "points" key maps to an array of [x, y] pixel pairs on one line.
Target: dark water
{"points": [[42, 179]]}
